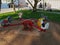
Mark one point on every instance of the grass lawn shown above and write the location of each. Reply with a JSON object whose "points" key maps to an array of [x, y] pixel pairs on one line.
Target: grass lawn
{"points": [[29, 14]]}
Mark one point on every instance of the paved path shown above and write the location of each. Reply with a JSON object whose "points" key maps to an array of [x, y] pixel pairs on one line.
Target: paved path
{"points": [[7, 10], [11, 9]]}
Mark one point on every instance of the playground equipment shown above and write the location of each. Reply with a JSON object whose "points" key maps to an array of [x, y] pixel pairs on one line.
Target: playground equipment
{"points": [[1, 23], [6, 22], [40, 21], [20, 15], [29, 24], [41, 24], [45, 25], [9, 18]]}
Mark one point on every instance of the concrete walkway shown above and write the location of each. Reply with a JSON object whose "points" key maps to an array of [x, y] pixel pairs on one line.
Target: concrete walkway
{"points": [[11, 9], [25, 8], [7, 10]]}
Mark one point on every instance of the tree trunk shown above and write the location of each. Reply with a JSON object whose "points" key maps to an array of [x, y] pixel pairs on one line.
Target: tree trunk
{"points": [[13, 5], [35, 5], [0, 5], [30, 3]]}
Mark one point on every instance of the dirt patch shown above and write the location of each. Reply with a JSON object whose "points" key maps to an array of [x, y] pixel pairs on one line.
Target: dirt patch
{"points": [[15, 36]]}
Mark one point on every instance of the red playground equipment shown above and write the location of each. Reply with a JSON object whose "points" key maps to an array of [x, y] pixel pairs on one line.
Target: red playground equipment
{"points": [[29, 24]]}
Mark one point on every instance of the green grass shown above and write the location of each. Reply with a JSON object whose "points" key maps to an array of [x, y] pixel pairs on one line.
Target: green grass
{"points": [[5, 15], [29, 14], [53, 16], [56, 10]]}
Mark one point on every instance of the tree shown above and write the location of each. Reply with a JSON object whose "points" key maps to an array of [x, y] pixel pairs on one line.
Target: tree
{"points": [[35, 4], [0, 5], [12, 2]]}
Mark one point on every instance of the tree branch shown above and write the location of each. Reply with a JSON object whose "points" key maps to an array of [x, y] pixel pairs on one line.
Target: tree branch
{"points": [[30, 3]]}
